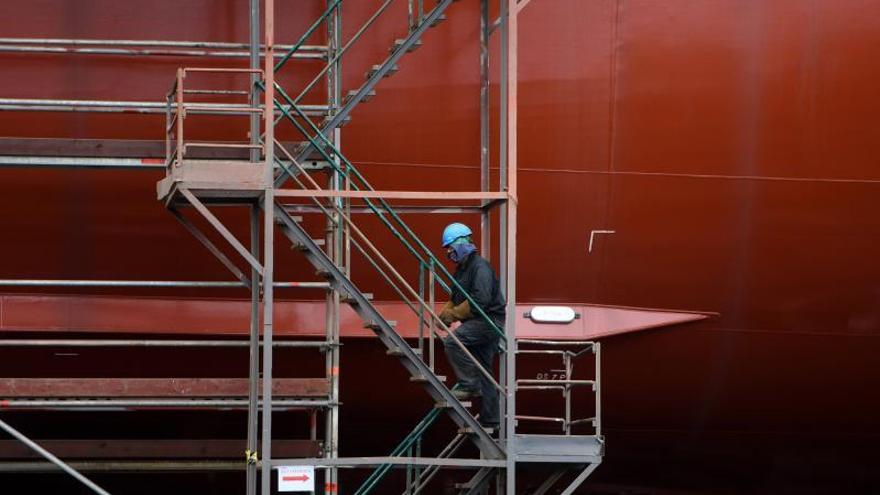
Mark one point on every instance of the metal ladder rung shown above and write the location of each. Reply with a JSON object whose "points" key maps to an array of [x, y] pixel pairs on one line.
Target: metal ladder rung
{"points": [[445, 405]]}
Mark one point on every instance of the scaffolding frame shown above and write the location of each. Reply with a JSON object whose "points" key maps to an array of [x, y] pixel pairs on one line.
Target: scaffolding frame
{"points": [[265, 110]]}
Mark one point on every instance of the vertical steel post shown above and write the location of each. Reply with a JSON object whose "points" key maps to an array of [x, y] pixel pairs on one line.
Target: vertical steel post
{"points": [[421, 311], [254, 99], [502, 139], [504, 375], [485, 232], [510, 389], [268, 243], [432, 323], [181, 114], [336, 251], [598, 350], [254, 364], [566, 364]]}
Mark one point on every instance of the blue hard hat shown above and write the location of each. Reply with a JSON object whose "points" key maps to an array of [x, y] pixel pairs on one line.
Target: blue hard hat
{"points": [[453, 231]]}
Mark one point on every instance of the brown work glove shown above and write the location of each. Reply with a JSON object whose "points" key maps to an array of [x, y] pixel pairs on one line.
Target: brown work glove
{"points": [[446, 315], [462, 311]]}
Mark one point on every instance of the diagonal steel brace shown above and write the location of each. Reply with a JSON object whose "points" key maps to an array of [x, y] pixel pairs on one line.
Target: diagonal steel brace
{"points": [[198, 234], [48, 455], [218, 225]]}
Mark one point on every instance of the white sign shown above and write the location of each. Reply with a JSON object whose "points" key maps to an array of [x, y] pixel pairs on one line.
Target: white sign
{"points": [[296, 478], [552, 314]]}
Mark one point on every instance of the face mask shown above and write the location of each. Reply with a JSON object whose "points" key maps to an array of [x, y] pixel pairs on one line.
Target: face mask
{"points": [[460, 251]]}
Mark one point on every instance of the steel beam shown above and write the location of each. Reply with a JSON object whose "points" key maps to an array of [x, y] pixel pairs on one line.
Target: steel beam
{"points": [[311, 344], [154, 387], [580, 479], [133, 107], [445, 195], [165, 449], [123, 466], [51, 458], [117, 404], [400, 210], [365, 462], [152, 284], [197, 233], [222, 230], [268, 203]]}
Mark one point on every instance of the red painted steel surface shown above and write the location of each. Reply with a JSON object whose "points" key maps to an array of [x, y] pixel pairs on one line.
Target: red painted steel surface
{"points": [[105, 314], [732, 147]]}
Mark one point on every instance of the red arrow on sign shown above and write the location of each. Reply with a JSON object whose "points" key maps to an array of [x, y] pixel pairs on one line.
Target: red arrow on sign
{"points": [[295, 478]]}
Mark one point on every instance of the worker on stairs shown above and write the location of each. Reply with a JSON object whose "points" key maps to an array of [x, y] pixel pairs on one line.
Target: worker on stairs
{"points": [[476, 276]]}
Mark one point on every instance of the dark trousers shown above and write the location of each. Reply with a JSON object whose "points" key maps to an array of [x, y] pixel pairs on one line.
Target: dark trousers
{"points": [[482, 342]]}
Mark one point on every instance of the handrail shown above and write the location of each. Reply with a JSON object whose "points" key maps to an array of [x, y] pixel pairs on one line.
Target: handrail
{"points": [[430, 311], [344, 49], [412, 251], [564, 382], [385, 206], [306, 35]]}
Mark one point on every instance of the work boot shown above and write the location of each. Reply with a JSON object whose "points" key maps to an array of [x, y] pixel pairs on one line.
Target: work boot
{"points": [[462, 394], [491, 428]]}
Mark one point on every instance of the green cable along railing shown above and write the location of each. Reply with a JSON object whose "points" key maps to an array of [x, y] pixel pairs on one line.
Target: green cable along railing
{"points": [[357, 175]]}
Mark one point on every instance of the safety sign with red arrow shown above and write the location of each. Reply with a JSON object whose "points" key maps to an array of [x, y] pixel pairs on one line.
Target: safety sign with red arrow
{"points": [[296, 478]]}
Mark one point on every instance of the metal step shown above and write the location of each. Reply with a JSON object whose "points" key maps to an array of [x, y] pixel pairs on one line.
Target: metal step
{"points": [[439, 20], [297, 246], [475, 484], [295, 219], [367, 97], [394, 351], [347, 299], [445, 405], [373, 70], [400, 41], [421, 379], [342, 116], [373, 325], [469, 431]]}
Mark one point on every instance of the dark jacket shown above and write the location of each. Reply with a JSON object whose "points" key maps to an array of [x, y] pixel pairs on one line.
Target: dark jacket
{"points": [[477, 277]]}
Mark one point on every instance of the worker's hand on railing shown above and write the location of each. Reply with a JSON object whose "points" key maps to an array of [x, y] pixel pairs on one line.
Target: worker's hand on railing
{"points": [[446, 315]]}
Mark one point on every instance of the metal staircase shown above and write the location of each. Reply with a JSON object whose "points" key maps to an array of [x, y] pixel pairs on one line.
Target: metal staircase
{"points": [[255, 178], [417, 368]]}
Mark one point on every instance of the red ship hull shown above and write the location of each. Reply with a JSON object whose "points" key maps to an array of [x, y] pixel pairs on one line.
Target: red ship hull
{"points": [[732, 147]]}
